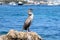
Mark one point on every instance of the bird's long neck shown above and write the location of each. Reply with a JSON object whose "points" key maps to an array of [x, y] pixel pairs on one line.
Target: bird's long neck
{"points": [[31, 15]]}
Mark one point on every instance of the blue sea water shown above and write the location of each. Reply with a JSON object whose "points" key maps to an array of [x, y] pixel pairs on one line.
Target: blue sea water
{"points": [[46, 20]]}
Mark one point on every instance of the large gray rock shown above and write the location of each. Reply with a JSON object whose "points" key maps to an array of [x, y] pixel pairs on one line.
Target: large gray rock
{"points": [[14, 35]]}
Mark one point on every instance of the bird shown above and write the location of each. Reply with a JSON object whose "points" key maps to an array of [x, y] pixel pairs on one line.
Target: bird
{"points": [[28, 21]]}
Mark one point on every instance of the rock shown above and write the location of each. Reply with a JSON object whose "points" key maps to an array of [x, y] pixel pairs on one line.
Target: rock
{"points": [[15, 35]]}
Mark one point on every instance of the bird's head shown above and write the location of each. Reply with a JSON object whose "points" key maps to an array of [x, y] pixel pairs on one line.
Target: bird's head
{"points": [[30, 11]]}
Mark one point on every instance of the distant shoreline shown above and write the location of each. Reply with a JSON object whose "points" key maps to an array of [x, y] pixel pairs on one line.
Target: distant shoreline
{"points": [[26, 3], [30, 5]]}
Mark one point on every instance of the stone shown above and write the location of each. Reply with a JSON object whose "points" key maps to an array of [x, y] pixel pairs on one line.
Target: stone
{"points": [[15, 35]]}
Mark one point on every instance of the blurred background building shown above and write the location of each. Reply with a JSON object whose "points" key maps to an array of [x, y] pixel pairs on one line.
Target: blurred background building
{"points": [[31, 1], [19, 0]]}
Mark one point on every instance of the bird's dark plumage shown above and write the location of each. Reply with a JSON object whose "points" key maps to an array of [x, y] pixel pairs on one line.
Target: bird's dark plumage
{"points": [[26, 26], [28, 21]]}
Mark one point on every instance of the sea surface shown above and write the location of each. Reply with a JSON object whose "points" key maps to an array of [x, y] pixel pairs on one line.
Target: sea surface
{"points": [[46, 20]]}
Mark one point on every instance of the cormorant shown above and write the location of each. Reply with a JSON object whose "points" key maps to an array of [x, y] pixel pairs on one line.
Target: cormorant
{"points": [[28, 21]]}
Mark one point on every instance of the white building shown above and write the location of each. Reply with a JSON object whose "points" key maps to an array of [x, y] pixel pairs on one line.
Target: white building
{"points": [[53, 2]]}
